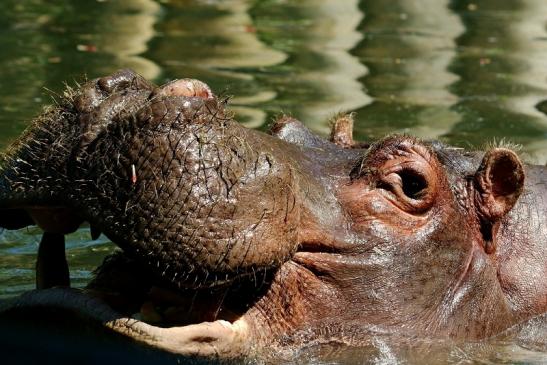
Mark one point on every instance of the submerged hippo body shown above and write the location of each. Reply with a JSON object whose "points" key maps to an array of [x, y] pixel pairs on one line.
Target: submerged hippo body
{"points": [[235, 241]]}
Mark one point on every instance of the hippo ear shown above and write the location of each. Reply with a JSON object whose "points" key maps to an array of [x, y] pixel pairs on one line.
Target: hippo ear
{"points": [[499, 182], [341, 133], [342, 130]]}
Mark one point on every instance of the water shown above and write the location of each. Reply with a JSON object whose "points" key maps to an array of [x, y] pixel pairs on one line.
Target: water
{"points": [[461, 71]]}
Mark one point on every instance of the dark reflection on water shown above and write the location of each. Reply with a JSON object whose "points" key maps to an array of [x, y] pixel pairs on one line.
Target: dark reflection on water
{"points": [[501, 64], [409, 47], [45, 44], [466, 72]]}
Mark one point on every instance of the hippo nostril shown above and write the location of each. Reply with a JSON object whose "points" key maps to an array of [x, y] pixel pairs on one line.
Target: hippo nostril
{"points": [[120, 80]]}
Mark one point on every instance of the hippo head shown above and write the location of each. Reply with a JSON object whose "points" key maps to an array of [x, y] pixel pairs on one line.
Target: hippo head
{"points": [[279, 238]]}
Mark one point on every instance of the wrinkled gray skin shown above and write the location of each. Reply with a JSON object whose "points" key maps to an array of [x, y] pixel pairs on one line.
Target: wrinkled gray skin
{"points": [[275, 240]]}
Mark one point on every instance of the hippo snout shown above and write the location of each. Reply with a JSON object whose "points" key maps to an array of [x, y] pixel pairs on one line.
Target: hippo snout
{"points": [[166, 174]]}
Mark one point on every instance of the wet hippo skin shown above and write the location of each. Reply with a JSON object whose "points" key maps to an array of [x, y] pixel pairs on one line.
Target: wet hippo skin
{"points": [[240, 244]]}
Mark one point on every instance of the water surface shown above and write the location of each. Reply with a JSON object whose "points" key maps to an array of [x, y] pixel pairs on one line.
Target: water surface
{"points": [[464, 72]]}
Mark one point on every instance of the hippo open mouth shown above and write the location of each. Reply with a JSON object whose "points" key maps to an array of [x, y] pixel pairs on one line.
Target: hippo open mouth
{"points": [[234, 240]]}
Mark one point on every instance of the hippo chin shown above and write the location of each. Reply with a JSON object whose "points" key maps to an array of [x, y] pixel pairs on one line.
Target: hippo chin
{"points": [[235, 242]]}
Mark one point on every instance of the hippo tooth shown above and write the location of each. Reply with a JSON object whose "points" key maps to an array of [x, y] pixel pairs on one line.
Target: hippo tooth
{"points": [[95, 232]]}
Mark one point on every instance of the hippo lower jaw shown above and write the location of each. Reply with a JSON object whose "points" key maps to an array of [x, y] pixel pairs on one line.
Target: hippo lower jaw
{"points": [[207, 330], [219, 338], [225, 334]]}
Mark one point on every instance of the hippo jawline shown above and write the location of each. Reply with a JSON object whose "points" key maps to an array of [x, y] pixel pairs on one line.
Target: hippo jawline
{"points": [[201, 326], [219, 338]]}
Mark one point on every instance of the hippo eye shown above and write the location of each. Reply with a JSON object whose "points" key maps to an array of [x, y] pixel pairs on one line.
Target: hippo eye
{"points": [[413, 184], [406, 176]]}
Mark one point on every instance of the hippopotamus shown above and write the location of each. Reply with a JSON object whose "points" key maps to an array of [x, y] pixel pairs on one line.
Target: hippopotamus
{"points": [[236, 243]]}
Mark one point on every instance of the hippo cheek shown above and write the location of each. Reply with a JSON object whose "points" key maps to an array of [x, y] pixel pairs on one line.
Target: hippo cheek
{"points": [[410, 232]]}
